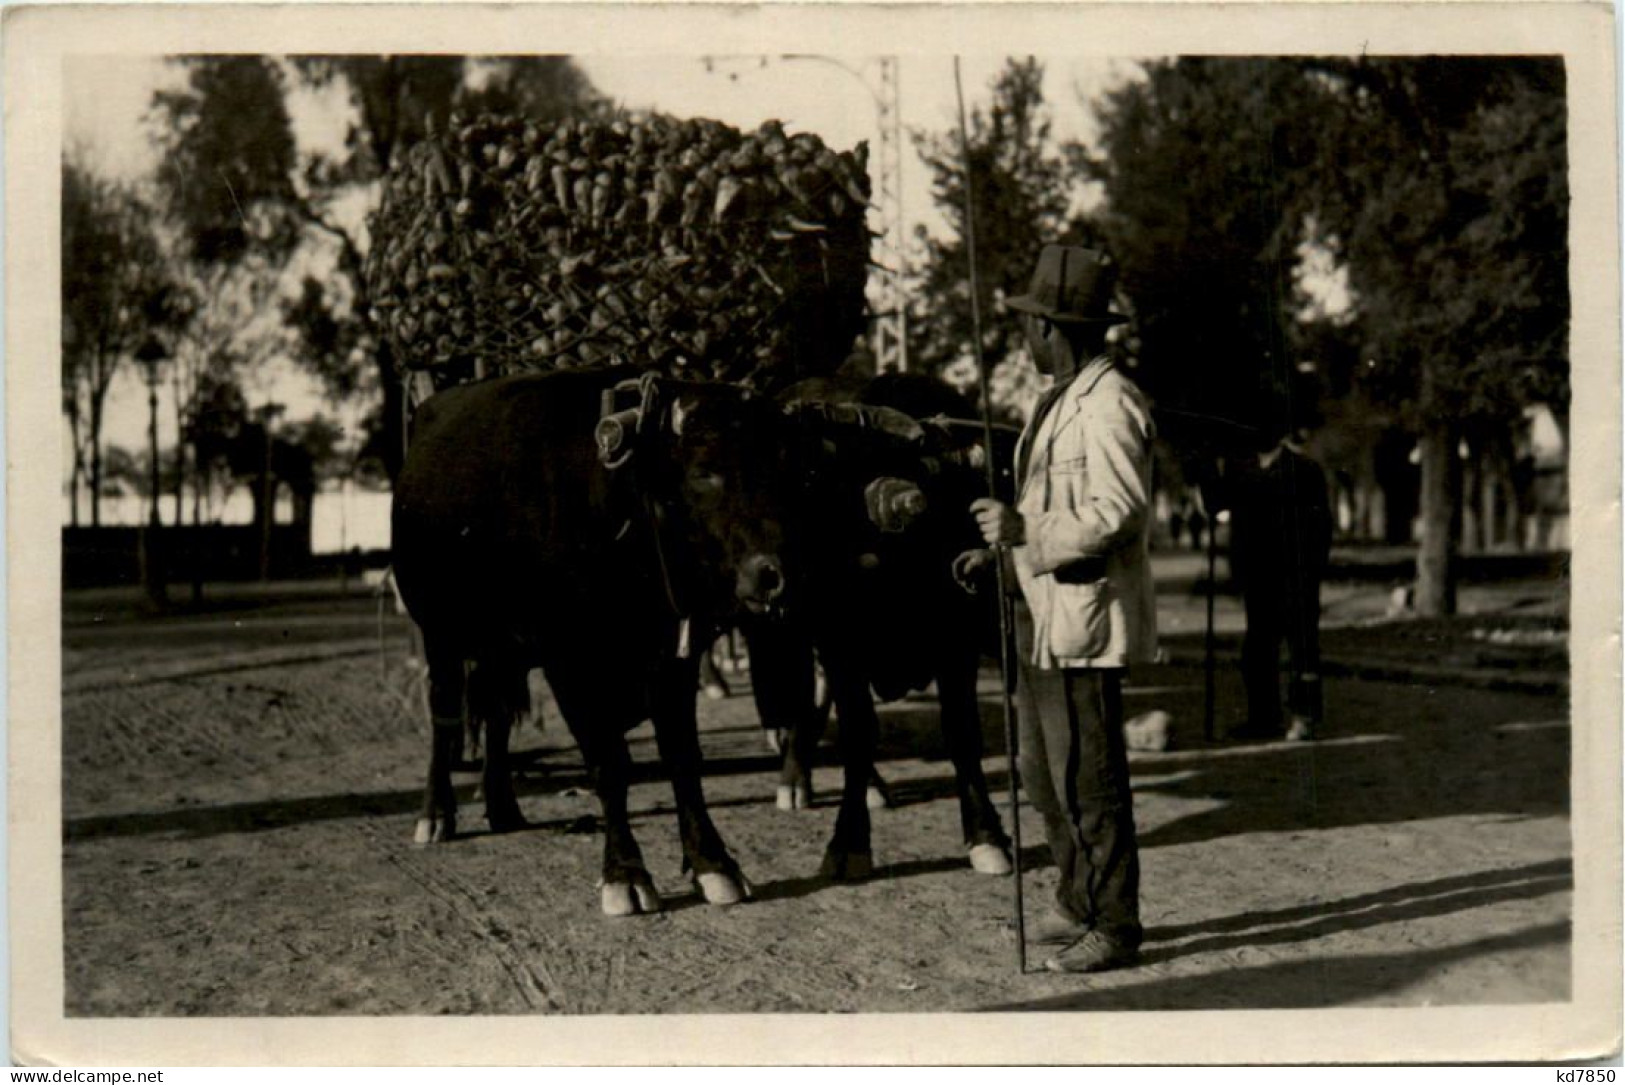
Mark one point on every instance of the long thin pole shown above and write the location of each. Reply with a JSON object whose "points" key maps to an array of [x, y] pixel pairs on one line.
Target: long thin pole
{"points": [[1207, 660], [1005, 653]]}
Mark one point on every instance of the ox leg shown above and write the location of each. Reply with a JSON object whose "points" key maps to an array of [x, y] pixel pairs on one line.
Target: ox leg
{"points": [[989, 848], [497, 695], [782, 684], [781, 664], [848, 856], [677, 735], [800, 755], [438, 821], [625, 887]]}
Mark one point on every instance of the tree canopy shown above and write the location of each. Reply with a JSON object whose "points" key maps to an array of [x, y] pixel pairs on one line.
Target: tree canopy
{"points": [[1021, 201], [1437, 185], [1201, 164], [236, 179], [1452, 220]]}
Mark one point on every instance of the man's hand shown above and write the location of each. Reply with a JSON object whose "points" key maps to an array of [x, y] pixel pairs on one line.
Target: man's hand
{"points": [[970, 567], [1000, 524]]}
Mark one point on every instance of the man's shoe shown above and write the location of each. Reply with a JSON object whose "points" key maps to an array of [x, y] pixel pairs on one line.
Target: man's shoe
{"points": [[1302, 729], [1055, 929], [1094, 952]]}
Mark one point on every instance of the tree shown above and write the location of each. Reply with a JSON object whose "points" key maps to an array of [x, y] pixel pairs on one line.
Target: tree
{"points": [[125, 473], [318, 200], [115, 292], [1438, 185], [229, 159], [1201, 164], [1021, 195], [1446, 196], [215, 424], [232, 328]]}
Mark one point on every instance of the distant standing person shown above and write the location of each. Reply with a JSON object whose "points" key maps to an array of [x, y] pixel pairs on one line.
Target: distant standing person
{"points": [[1280, 539], [1080, 534]]}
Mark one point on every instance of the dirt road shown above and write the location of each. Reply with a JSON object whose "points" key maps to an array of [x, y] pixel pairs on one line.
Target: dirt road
{"points": [[240, 787]]}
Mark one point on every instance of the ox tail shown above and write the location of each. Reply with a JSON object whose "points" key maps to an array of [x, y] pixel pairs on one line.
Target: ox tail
{"points": [[493, 692]]}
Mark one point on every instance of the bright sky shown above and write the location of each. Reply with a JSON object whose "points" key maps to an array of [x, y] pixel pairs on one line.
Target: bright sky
{"points": [[107, 100]]}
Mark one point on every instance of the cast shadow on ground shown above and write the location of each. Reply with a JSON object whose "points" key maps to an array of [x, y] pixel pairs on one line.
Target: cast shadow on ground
{"points": [[1033, 858], [1304, 984], [1419, 900], [1380, 763]]}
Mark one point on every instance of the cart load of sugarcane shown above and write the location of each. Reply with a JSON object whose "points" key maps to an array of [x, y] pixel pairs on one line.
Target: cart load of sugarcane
{"points": [[684, 246]]}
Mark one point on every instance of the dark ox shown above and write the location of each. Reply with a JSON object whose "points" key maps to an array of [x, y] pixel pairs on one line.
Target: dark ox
{"points": [[883, 610], [598, 528]]}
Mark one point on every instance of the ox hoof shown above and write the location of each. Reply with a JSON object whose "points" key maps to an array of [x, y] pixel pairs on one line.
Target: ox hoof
{"points": [[511, 822], [850, 866], [434, 830], [720, 889], [625, 898], [989, 859], [794, 797]]}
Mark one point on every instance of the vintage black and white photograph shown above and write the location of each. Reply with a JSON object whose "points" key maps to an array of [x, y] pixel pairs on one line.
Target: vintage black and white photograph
{"points": [[890, 520]]}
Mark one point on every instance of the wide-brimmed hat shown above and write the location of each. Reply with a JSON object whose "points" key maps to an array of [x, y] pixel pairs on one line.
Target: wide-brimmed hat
{"points": [[1071, 285]]}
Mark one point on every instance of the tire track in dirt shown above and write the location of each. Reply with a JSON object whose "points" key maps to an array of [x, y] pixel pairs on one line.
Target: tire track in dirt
{"points": [[536, 985], [94, 678]]}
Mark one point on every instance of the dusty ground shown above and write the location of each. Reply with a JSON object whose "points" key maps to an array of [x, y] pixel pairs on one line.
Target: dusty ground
{"points": [[240, 787]]}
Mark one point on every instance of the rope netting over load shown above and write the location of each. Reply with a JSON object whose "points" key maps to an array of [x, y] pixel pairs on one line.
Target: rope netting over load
{"points": [[683, 246]]}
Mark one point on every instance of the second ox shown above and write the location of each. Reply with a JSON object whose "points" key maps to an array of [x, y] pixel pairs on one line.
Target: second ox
{"points": [[884, 613]]}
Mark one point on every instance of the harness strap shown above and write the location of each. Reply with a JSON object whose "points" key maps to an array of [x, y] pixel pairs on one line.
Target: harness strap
{"points": [[649, 415]]}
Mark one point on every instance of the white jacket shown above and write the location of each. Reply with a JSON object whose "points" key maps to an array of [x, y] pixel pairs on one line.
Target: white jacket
{"points": [[1085, 567]]}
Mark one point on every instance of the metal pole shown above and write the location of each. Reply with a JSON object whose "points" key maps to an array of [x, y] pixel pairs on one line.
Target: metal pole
{"points": [[1207, 658], [1005, 653]]}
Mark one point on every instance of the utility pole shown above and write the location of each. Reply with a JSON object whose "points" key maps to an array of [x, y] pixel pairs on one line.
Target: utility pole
{"points": [[891, 325]]}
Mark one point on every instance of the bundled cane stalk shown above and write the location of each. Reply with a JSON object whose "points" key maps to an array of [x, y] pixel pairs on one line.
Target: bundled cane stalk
{"points": [[685, 246]]}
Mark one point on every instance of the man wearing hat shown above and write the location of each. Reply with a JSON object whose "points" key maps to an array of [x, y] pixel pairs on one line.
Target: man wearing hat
{"points": [[1078, 537]]}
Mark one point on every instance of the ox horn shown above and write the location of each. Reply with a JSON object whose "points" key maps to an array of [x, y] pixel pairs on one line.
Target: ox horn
{"points": [[887, 420], [680, 410], [893, 503]]}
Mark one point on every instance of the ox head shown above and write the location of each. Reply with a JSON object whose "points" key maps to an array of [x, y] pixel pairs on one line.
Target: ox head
{"points": [[712, 464], [869, 477]]}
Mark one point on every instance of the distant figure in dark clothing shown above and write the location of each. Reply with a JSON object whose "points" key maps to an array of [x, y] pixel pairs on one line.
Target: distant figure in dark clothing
{"points": [[1280, 538], [1197, 523]]}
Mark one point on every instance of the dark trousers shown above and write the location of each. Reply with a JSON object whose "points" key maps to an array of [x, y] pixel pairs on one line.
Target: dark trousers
{"points": [[1074, 766], [1279, 612]]}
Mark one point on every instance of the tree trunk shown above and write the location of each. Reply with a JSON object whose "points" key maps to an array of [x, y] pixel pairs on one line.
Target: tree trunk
{"points": [[264, 520], [76, 476], [1441, 521], [198, 548], [1489, 501], [75, 480], [180, 480], [1515, 512], [1473, 537], [95, 475]]}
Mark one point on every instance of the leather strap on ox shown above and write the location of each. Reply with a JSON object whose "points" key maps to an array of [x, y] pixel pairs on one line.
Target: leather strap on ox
{"points": [[619, 434]]}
